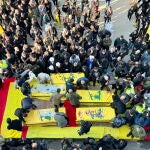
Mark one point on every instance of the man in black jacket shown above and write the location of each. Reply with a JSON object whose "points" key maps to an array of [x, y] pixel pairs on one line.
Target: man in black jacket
{"points": [[119, 42], [14, 124], [85, 127], [20, 113], [119, 107], [122, 69]]}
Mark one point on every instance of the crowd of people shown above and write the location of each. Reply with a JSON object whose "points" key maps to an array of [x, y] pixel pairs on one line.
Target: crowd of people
{"points": [[23, 144], [105, 143], [80, 47], [141, 11]]}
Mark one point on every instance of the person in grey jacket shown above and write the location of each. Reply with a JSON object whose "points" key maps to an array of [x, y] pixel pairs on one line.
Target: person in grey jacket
{"points": [[60, 118]]}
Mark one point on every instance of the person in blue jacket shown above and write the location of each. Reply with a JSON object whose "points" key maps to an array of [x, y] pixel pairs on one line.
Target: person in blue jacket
{"points": [[82, 83], [27, 104], [142, 120]]}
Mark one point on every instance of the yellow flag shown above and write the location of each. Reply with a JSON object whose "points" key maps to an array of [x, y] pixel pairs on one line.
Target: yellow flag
{"points": [[148, 31], [1, 29], [58, 20]]}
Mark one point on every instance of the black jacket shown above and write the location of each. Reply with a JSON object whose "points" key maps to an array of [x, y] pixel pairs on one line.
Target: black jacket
{"points": [[119, 107], [121, 70], [118, 43], [85, 126], [135, 57], [15, 125]]}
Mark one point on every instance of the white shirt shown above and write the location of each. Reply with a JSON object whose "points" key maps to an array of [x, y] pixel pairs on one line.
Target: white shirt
{"points": [[43, 77]]}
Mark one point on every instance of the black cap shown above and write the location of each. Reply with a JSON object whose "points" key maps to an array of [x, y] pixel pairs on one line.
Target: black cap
{"points": [[58, 90]]}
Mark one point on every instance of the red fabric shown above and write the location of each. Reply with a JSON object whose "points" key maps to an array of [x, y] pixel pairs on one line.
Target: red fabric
{"points": [[3, 96], [71, 113], [24, 131], [148, 136]]}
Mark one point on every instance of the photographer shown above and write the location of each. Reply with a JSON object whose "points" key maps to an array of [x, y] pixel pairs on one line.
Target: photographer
{"points": [[20, 113], [118, 105], [85, 127], [14, 124]]}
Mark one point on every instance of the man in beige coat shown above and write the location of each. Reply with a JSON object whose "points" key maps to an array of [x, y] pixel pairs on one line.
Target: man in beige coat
{"points": [[56, 98]]}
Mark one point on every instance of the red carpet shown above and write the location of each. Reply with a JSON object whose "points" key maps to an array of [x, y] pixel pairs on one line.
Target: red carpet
{"points": [[148, 136], [3, 96], [71, 113], [24, 131]]}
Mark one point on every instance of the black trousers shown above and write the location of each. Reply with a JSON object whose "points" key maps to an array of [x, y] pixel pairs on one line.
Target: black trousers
{"points": [[55, 2]]}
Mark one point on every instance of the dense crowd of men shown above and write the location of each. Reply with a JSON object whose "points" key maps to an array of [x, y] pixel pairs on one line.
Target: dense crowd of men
{"points": [[80, 47]]}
